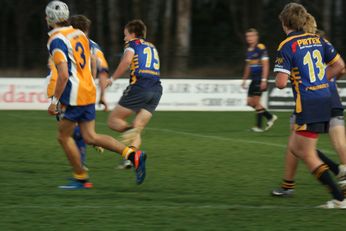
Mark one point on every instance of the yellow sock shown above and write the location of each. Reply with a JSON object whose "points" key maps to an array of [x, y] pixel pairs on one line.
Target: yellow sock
{"points": [[127, 151], [81, 176]]}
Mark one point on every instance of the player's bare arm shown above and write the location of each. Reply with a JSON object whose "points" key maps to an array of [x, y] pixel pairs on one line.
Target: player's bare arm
{"points": [[335, 69], [93, 60], [281, 80], [245, 75], [265, 74], [123, 65], [63, 76]]}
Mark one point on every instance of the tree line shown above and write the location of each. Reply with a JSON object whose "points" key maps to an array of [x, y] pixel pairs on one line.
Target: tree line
{"points": [[202, 38]]}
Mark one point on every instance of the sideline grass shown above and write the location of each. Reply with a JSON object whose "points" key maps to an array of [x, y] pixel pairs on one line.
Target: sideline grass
{"points": [[206, 171]]}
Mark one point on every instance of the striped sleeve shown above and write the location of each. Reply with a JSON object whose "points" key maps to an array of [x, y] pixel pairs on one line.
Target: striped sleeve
{"points": [[58, 50]]}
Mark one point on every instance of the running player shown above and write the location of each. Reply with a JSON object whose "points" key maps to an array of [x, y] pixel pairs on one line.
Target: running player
{"points": [[83, 23], [50, 89], [144, 92], [257, 67], [75, 90], [301, 56], [336, 134]]}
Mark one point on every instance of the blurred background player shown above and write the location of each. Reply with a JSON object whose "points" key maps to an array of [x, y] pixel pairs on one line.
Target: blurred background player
{"points": [[144, 92], [257, 68], [75, 89], [83, 23], [336, 133], [301, 56]]}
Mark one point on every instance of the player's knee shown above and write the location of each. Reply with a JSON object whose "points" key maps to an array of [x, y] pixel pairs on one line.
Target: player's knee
{"points": [[113, 125], [139, 124], [61, 138], [117, 125], [90, 140], [339, 146], [250, 103]]}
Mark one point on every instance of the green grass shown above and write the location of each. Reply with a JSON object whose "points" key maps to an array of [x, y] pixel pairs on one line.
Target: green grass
{"points": [[206, 171]]}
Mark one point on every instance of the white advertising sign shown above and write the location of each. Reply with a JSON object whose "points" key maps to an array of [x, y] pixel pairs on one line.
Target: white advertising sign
{"points": [[282, 99], [178, 94], [203, 95]]}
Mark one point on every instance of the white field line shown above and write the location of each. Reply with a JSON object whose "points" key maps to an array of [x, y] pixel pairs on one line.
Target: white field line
{"points": [[217, 137], [199, 135]]}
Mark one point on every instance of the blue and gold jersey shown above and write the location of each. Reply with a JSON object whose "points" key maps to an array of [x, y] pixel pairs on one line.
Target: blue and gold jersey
{"points": [[254, 57], [101, 62], [336, 100], [145, 66], [70, 45], [304, 57]]}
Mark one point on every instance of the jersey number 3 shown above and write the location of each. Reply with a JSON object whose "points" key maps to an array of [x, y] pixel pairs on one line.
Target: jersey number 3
{"points": [[80, 49], [149, 52], [314, 62]]}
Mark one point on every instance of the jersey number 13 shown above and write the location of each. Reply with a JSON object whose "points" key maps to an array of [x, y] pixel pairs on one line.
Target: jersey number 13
{"points": [[314, 62]]}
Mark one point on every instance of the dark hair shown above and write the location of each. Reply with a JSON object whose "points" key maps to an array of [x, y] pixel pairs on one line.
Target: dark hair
{"points": [[80, 22], [137, 27], [63, 23], [251, 30]]}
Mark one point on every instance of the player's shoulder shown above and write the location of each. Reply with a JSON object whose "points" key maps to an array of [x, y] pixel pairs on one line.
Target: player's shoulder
{"points": [[138, 42], [325, 41], [93, 44], [63, 33], [261, 46], [284, 43], [288, 41], [132, 42], [54, 36]]}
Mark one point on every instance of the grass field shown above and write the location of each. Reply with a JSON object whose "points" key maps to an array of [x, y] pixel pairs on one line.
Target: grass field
{"points": [[206, 171]]}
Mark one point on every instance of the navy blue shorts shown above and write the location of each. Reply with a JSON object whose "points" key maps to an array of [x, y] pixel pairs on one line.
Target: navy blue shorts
{"points": [[319, 127], [254, 88], [337, 112], [79, 113], [137, 98]]}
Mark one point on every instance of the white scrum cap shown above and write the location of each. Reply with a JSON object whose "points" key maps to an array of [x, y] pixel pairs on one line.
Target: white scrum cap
{"points": [[56, 11]]}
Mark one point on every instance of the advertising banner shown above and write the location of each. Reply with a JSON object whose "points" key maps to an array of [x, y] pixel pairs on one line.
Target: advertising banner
{"points": [[178, 94], [282, 99]]}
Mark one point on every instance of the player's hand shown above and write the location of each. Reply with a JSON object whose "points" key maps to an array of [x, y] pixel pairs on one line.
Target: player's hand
{"points": [[103, 102], [243, 84], [263, 86], [52, 109], [109, 82]]}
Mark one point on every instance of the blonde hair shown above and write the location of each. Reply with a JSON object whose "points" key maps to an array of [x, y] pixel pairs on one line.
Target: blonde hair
{"points": [[294, 16], [310, 25]]}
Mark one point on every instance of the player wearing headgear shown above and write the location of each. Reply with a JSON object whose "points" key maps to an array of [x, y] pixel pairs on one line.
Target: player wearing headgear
{"points": [[50, 84], [75, 89]]}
